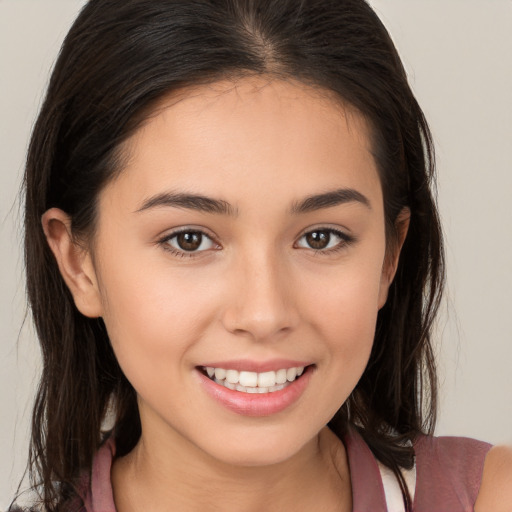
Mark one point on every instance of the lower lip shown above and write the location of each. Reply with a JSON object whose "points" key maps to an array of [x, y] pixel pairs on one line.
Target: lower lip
{"points": [[255, 404]]}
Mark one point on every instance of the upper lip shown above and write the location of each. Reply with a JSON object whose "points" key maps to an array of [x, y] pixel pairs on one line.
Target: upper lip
{"points": [[256, 366]]}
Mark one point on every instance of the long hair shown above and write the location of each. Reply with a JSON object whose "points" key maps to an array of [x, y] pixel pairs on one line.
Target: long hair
{"points": [[118, 59]]}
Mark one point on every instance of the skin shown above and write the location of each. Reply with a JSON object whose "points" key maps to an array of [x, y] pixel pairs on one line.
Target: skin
{"points": [[257, 291], [496, 489]]}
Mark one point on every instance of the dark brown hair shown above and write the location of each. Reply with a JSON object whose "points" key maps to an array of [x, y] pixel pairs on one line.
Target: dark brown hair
{"points": [[118, 59]]}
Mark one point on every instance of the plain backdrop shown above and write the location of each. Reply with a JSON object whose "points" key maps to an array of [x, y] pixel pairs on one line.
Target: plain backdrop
{"points": [[458, 54]]}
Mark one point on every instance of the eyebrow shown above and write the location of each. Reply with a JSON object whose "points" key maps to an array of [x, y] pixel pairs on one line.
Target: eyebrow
{"points": [[190, 202], [218, 206], [330, 199]]}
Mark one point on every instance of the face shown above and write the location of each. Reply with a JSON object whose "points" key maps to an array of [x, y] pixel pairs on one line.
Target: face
{"points": [[244, 242]]}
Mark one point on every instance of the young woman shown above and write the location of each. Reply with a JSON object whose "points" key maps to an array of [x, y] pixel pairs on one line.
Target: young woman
{"points": [[233, 262]]}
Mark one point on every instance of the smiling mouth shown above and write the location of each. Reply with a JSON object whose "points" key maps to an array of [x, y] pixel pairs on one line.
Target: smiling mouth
{"points": [[253, 382]]}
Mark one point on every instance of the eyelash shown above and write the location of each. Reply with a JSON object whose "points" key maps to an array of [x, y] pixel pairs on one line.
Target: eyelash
{"points": [[164, 242], [345, 240]]}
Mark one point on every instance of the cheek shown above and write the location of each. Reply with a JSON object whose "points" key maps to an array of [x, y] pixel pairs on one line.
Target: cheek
{"points": [[153, 315], [345, 311]]}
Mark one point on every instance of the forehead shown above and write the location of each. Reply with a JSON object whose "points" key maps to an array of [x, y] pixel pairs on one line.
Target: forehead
{"points": [[253, 132]]}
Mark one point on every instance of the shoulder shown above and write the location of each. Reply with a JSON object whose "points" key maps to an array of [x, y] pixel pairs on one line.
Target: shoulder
{"points": [[460, 455], [496, 490], [448, 472]]}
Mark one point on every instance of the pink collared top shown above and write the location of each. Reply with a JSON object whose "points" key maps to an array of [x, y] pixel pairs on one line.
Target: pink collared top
{"points": [[448, 475]]}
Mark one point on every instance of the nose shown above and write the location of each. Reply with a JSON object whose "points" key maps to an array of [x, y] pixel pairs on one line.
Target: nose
{"points": [[262, 300]]}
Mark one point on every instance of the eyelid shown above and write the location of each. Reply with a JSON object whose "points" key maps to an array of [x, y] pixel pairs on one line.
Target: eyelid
{"points": [[346, 239], [163, 241]]}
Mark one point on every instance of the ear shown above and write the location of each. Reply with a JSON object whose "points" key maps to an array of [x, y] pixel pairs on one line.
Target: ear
{"points": [[75, 263], [393, 254]]}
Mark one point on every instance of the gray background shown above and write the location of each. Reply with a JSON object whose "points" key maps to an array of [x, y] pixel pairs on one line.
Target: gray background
{"points": [[459, 57]]}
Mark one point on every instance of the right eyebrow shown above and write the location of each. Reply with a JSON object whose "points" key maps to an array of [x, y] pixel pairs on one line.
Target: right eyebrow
{"points": [[195, 202]]}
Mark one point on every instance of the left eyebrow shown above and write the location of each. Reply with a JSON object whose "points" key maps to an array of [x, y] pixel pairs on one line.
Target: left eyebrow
{"points": [[329, 199]]}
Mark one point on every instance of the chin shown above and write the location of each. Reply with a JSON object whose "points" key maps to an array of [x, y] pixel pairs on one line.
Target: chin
{"points": [[262, 448]]}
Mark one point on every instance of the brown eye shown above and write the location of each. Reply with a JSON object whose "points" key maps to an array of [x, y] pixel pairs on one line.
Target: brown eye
{"points": [[189, 242], [318, 239], [326, 240]]}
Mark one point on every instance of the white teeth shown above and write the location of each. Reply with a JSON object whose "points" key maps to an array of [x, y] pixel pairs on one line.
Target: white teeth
{"points": [[266, 379], [281, 376], [291, 373], [252, 382], [232, 376], [248, 379], [220, 373]]}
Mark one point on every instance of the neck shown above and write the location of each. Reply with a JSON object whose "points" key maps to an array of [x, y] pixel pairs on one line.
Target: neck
{"points": [[164, 478]]}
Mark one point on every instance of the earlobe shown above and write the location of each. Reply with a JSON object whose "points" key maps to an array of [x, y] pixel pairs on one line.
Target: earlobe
{"points": [[393, 254], [75, 263]]}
